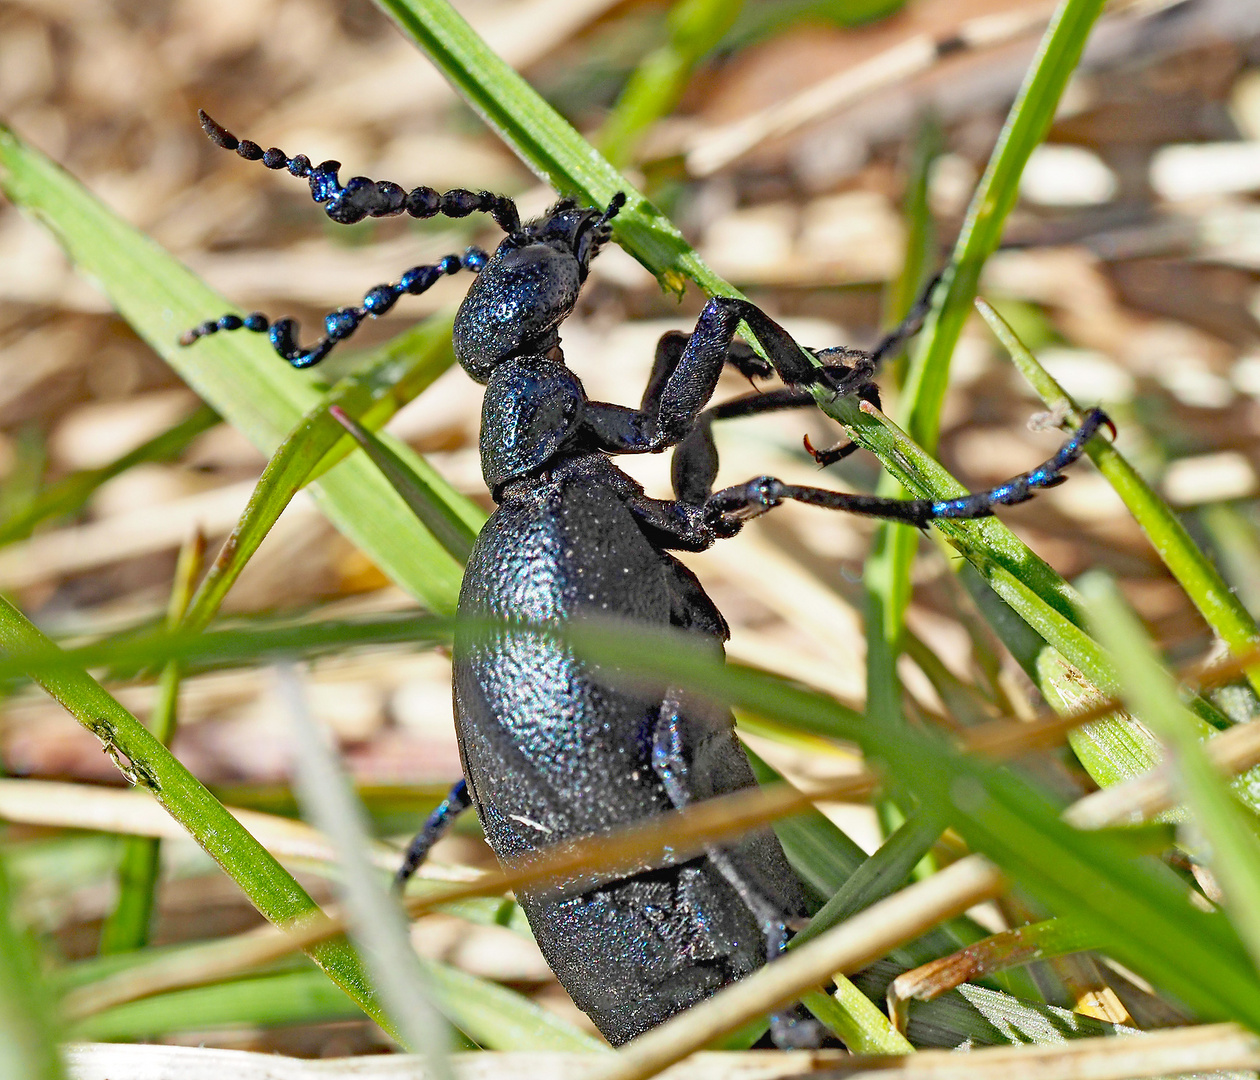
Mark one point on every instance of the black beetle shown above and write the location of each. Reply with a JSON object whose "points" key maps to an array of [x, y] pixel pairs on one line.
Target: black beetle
{"points": [[550, 751]]}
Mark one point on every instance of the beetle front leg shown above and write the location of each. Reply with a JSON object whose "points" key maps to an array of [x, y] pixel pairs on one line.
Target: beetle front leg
{"points": [[442, 818]]}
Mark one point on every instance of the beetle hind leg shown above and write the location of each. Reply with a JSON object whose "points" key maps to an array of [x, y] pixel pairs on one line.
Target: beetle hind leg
{"points": [[442, 818]]}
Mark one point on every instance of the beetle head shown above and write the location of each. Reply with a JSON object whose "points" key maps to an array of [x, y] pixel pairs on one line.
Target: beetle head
{"points": [[529, 286]]}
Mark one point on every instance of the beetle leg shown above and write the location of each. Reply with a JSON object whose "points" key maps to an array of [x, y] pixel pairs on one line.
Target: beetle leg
{"points": [[764, 493], [442, 818], [669, 351], [340, 324], [361, 197]]}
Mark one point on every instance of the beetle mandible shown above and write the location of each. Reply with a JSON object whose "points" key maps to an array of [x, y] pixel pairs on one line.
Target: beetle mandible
{"points": [[550, 751]]}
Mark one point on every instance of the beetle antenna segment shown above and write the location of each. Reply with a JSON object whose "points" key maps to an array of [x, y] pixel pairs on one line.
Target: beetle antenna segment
{"points": [[340, 324], [614, 208], [361, 197]]}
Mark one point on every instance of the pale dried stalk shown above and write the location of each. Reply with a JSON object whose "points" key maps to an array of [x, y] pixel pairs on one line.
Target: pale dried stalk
{"points": [[708, 151]]}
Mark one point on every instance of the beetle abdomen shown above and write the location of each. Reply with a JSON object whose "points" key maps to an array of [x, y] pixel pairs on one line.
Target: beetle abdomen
{"points": [[552, 753]]}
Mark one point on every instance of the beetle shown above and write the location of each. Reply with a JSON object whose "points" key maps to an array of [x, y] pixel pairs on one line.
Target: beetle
{"points": [[551, 750]]}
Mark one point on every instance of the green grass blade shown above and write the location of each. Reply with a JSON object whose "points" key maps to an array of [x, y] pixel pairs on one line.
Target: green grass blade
{"points": [[127, 926], [886, 574], [393, 375], [924, 391], [546, 142], [497, 1018], [237, 374], [253, 643], [146, 762], [695, 28], [881, 875], [292, 997], [451, 531], [501, 1019], [1205, 587], [28, 1048], [1229, 837], [854, 1017], [1026, 125]]}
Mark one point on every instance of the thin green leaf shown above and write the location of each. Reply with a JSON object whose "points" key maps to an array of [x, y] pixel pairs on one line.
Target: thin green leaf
{"points": [[255, 643], [653, 89], [501, 1019], [451, 531], [881, 875], [547, 143], [1026, 125], [1232, 845], [127, 926], [28, 1047], [924, 390], [1193, 570], [853, 1016], [393, 375], [291, 997], [497, 1018], [146, 762]]}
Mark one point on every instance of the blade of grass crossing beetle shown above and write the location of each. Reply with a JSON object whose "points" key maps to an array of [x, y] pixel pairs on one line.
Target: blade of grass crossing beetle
{"points": [[1137, 906], [558, 154], [237, 374], [146, 762], [1228, 838]]}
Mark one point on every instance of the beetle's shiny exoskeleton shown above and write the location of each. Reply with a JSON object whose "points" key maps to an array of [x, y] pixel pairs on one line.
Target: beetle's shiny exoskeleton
{"points": [[550, 751]]}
